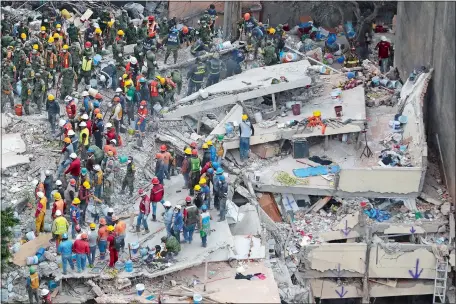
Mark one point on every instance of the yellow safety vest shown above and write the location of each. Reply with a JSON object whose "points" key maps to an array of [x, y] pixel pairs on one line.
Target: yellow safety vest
{"points": [[86, 132], [86, 64], [60, 225]]}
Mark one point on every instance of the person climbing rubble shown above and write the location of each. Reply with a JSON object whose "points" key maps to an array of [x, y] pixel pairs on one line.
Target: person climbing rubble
{"points": [[60, 227], [129, 176], [144, 210], [33, 285], [65, 249], [40, 213], [156, 195]]}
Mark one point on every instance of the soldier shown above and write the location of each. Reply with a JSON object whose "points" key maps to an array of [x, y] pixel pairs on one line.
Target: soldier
{"points": [[151, 63], [205, 33], [177, 79], [28, 71], [164, 29], [270, 56], [50, 59], [280, 39], [196, 76], [150, 42], [57, 43], [131, 34], [7, 92], [9, 69], [129, 176], [45, 75], [68, 76], [110, 33], [118, 47], [19, 62], [105, 18], [38, 91], [35, 58], [172, 45], [188, 35], [123, 20], [139, 52], [26, 95], [43, 35], [214, 67], [73, 34], [76, 58], [61, 33], [142, 30]]}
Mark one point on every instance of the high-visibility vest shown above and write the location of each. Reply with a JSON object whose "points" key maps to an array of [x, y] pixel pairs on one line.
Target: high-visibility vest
{"points": [[34, 281], [65, 60], [59, 205], [51, 59], [153, 88], [86, 64], [60, 225]]}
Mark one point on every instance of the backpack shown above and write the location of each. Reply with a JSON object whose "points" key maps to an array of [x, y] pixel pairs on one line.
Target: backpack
{"points": [[118, 242]]}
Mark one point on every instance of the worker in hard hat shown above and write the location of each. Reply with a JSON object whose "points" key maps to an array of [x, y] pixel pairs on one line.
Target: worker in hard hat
{"points": [[195, 167], [35, 58], [159, 167], [196, 76], [84, 137], [144, 210], [220, 148], [33, 285], [92, 239], [246, 131], [118, 47], [98, 43], [111, 146], [178, 222], [131, 100], [84, 195], [65, 248], [185, 168], [222, 189], [167, 159], [75, 215], [59, 31], [59, 205], [46, 296], [68, 77], [82, 250], [215, 180], [61, 191], [102, 238], [206, 191], [141, 120], [7, 92], [206, 155], [156, 195], [60, 226], [48, 186], [113, 252], [129, 176], [249, 24], [87, 62], [67, 150], [198, 197], [168, 217], [40, 213], [204, 224], [191, 218]]}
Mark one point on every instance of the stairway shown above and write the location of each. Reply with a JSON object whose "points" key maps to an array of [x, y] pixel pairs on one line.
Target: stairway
{"points": [[440, 284]]}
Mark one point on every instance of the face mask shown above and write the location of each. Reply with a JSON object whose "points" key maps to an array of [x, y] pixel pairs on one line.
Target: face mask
{"points": [[43, 32], [64, 51], [141, 107], [58, 30], [129, 161]]}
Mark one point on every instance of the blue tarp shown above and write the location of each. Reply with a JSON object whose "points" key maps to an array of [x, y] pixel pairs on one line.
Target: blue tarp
{"points": [[316, 171], [377, 214]]}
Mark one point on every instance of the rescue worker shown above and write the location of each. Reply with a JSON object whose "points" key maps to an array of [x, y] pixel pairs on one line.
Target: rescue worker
{"points": [[131, 34], [84, 196], [33, 285], [169, 90], [65, 58], [48, 186], [75, 214], [98, 129], [40, 213], [152, 25], [70, 110], [206, 155], [270, 54], [168, 217], [98, 182], [280, 39], [89, 33], [178, 222], [213, 15], [185, 168], [246, 130], [70, 193], [102, 238], [65, 249], [92, 239], [9, 69], [43, 35], [82, 250], [73, 34], [28, 71], [138, 51], [172, 44], [190, 215], [156, 195], [118, 47], [206, 191], [220, 148], [35, 58], [222, 189], [151, 63], [98, 44], [76, 58], [351, 60], [144, 210], [67, 150], [113, 253], [129, 176], [59, 204], [26, 95], [131, 100], [7, 92], [217, 195], [249, 24], [144, 90], [38, 91], [141, 121], [195, 166], [120, 228], [167, 160], [142, 30], [132, 68], [214, 66], [75, 167], [163, 29], [60, 32], [176, 77], [84, 136], [53, 109], [159, 167], [68, 76], [155, 96], [196, 76], [117, 118], [86, 67], [123, 19], [204, 223], [60, 226]]}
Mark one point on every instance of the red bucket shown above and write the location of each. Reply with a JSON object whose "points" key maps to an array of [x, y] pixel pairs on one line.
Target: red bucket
{"points": [[18, 109], [296, 108], [338, 110]]}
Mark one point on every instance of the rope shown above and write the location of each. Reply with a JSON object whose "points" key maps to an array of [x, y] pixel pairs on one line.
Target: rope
{"points": [[288, 180]]}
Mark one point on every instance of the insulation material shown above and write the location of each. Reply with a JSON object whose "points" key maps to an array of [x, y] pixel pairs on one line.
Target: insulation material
{"points": [[29, 248]]}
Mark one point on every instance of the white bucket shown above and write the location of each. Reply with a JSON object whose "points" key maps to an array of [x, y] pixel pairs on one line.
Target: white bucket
{"points": [[396, 125], [139, 289], [30, 235], [197, 298], [33, 260], [258, 117]]}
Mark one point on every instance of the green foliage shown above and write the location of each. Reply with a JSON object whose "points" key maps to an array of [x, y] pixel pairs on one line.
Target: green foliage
{"points": [[7, 222]]}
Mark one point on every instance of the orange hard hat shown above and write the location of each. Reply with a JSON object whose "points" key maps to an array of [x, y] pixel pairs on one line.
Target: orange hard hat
{"points": [[163, 148], [193, 145], [98, 96], [102, 221], [96, 111], [194, 152], [155, 181], [246, 16], [185, 30]]}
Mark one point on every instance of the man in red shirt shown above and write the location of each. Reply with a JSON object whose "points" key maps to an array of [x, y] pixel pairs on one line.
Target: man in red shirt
{"points": [[81, 248], [110, 134], [144, 210], [383, 54], [75, 167], [113, 253], [156, 195]]}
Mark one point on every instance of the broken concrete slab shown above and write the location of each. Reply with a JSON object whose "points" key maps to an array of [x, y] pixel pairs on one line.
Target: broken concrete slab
{"points": [[13, 143], [250, 223], [329, 289], [402, 288], [348, 221]]}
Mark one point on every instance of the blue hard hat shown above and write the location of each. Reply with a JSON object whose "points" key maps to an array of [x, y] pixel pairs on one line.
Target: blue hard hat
{"points": [[90, 150], [210, 171], [96, 104], [64, 236], [215, 165], [142, 79], [84, 171], [204, 207], [222, 178], [219, 171]]}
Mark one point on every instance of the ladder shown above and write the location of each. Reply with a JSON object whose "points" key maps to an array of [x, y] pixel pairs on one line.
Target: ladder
{"points": [[440, 283]]}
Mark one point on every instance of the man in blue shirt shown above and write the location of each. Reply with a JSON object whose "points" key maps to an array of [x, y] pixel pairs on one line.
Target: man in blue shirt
{"points": [[65, 249], [178, 222]]}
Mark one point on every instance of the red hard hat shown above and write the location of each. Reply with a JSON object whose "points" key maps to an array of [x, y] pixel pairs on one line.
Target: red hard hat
{"points": [[98, 96], [193, 144], [151, 34], [88, 44], [143, 103], [151, 18], [141, 191], [163, 148], [185, 30], [246, 16], [155, 181], [194, 152], [188, 199]]}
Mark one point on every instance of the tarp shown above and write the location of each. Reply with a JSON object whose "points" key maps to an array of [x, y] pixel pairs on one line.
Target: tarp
{"points": [[316, 171]]}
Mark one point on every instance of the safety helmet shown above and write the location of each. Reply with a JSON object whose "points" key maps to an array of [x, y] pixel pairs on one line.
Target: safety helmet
{"points": [[204, 207], [246, 16], [151, 18], [65, 47], [110, 210], [215, 165], [219, 171], [76, 201], [56, 36], [92, 226], [129, 82], [179, 207], [85, 93], [109, 125], [96, 110], [65, 236], [116, 99], [167, 204], [209, 142], [57, 196], [155, 181], [163, 148], [43, 28], [271, 31], [220, 137], [97, 167], [102, 221], [110, 23], [99, 115], [118, 90], [202, 181], [23, 36], [205, 146], [72, 182], [143, 103], [98, 30], [188, 151], [35, 46], [210, 171], [110, 228], [188, 199], [58, 213], [85, 116], [120, 33], [47, 173], [151, 34], [98, 96], [244, 117], [86, 185], [87, 44], [194, 152], [113, 141], [58, 182], [73, 155], [193, 145], [51, 97], [133, 60], [71, 133], [58, 25], [197, 188], [185, 30], [32, 270], [84, 171], [62, 122], [67, 140], [83, 124]]}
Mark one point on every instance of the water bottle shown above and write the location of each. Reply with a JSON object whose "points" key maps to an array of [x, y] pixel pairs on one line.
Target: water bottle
{"points": [[129, 266]]}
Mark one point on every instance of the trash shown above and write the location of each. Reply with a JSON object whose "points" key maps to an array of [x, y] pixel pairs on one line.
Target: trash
{"points": [[140, 289], [377, 214]]}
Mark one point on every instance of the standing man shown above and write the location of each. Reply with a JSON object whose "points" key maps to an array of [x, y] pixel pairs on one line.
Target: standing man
{"points": [[168, 217], [156, 195], [40, 213], [144, 210], [190, 219], [185, 168], [65, 248], [177, 79], [38, 91], [220, 148], [129, 176], [151, 62], [159, 167], [26, 95], [53, 109], [214, 68], [102, 238], [178, 222], [205, 225], [33, 285], [75, 214], [60, 227], [68, 76], [7, 92], [92, 238], [246, 131], [223, 193], [195, 167], [196, 76], [48, 186], [167, 159], [383, 54], [82, 250], [98, 129], [118, 113], [172, 44], [113, 253]]}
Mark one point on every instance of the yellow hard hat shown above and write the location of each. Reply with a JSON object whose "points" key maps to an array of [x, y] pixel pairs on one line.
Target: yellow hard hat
{"points": [[35, 46], [205, 146], [209, 142], [51, 39], [23, 36], [271, 31], [57, 196], [98, 30], [244, 117], [188, 151], [67, 140], [51, 97], [120, 33], [110, 23], [58, 25], [197, 188], [124, 76], [99, 115], [92, 225], [43, 28], [65, 47], [76, 201], [56, 35], [129, 82], [202, 181], [110, 228], [86, 184]]}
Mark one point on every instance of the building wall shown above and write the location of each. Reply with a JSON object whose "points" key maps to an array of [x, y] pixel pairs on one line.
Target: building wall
{"points": [[426, 33]]}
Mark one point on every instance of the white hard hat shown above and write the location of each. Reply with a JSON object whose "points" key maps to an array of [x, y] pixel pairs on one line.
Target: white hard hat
{"points": [[109, 125], [133, 60], [178, 207], [71, 133], [83, 124], [118, 90], [62, 122], [68, 98], [383, 38], [97, 167], [167, 204], [102, 78], [58, 182], [110, 210], [85, 116], [40, 194], [44, 292], [114, 141], [85, 93], [47, 173], [73, 155], [58, 213]]}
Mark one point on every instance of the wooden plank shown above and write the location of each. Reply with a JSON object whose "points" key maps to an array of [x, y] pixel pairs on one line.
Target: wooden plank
{"points": [[307, 161], [320, 204], [270, 207]]}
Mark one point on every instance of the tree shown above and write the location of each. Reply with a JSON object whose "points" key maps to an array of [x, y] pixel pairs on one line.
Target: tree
{"points": [[7, 222]]}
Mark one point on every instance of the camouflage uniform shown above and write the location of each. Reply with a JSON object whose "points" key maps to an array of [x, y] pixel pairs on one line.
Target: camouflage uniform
{"points": [[68, 76], [26, 95], [7, 92], [177, 79], [38, 91], [151, 64]]}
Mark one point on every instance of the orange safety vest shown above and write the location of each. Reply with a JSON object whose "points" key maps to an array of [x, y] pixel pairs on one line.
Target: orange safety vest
{"points": [[34, 281], [138, 84], [69, 110], [65, 60], [59, 205], [51, 58], [153, 88]]}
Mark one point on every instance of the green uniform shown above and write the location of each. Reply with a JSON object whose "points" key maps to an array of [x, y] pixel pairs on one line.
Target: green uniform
{"points": [[76, 58], [142, 32], [151, 64], [36, 60], [129, 178], [131, 34], [172, 45], [9, 68], [270, 56], [205, 34], [28, 71], [118, 51], [26, 95], [67, 82], [172, 245], [177, 79], [19, 61], [164, 28], [46, 76], [123, 20], [7, 92], [38, 92], [139, 52]]}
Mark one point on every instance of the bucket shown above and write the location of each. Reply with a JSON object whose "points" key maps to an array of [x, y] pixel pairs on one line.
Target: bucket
{"points": [[296, 109], [30, 235], [197, 298], [52, 285], [139, 289], [396, 125], [129, 266], [119, 265], [18, 109], [17, 230], [33, 260], [402, 119], [134, 247], [39, 253], [338, 110], [258, 117]]}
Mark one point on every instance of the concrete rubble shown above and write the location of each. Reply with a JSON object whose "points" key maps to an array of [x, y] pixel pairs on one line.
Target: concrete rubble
{"points": [[362, 229]]}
